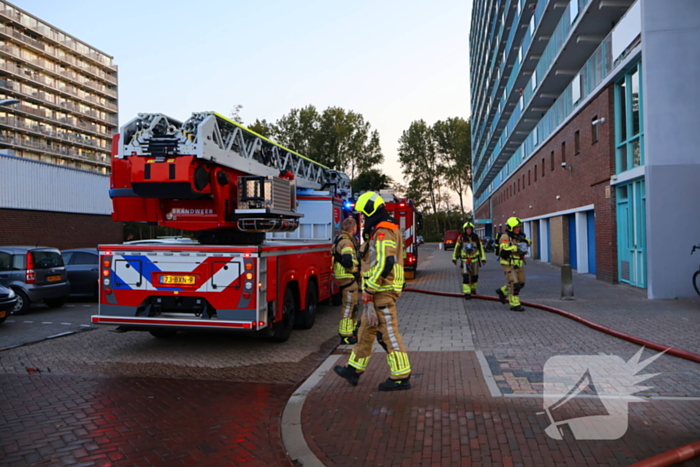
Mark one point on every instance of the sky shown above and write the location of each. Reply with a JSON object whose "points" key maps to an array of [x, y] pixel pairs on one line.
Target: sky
{"points": [[392, 61]]}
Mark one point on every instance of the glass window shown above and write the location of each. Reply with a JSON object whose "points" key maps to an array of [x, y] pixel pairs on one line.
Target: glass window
{"points": [[577, 142], [629, 131], [622, 106], [5, 261], [67, 257], [634, 101], [85, 258], [44, 259], [594, 130], [635, 149], [622, 158]]}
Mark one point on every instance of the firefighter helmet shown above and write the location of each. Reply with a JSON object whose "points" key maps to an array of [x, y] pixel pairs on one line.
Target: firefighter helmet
{"points": [[467, 224], [512, 223], [368, 203]]}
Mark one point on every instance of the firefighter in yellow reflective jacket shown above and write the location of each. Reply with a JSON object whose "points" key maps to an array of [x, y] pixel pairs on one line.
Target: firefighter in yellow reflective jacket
{"points": [[346, 273], [382, 269], [469, 250], [512, 248]]}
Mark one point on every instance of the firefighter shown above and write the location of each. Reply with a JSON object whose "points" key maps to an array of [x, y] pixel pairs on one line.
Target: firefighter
{"points": [[382, 269], [346, 274], [512, 248], [469, 251]]}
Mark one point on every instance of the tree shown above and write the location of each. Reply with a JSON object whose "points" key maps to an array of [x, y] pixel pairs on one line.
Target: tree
{"points": [[453, 144], [298, 131], [263, 128], [236, 114], [371, 179], [421, 164]]}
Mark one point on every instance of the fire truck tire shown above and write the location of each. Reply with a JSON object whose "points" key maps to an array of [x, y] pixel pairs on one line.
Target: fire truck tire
{"points": [[306, 319], [283, 329], [163, 333]]}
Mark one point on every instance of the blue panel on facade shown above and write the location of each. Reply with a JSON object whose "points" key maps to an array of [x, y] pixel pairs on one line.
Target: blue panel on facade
{"points": [[573, 261], [590, 227], [549, 242]]}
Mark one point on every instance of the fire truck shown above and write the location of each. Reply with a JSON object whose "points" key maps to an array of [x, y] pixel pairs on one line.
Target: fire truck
{"points": [[264, 216], [404, 211]]}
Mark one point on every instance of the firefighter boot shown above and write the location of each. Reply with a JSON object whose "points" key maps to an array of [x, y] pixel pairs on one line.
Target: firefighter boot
{"points": [[501, 296], [467, 291], [348, 373], [395, 384], [515, 303]]}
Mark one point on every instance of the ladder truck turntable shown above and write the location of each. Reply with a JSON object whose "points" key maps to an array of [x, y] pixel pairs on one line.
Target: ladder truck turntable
{"points": [[265, 218]]}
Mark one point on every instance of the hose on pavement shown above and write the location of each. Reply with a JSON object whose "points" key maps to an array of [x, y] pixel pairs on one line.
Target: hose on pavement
{"points": [[666, 459]]}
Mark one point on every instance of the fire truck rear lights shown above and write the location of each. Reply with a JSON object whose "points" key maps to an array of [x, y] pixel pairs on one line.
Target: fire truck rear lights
{"points": [[248, 285], [108, 291], [106, 263], [246, 295], [248, 266], [106, 282], [105, 272], [261, 324], [249, 276], [246, 255]]}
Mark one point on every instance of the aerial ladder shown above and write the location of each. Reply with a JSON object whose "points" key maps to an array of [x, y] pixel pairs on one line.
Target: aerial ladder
{"points": [[212, 176]]}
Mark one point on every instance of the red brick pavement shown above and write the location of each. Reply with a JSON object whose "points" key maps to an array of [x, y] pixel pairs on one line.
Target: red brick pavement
{"points": [[448, 418], [61, 420]]}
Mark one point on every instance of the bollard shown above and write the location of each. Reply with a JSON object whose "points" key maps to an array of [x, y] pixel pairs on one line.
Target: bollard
{"points": [[440, 245], [567, 283]]}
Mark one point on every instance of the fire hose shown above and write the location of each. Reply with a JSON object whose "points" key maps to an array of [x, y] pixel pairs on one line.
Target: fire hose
{"points": [[666, 459]]}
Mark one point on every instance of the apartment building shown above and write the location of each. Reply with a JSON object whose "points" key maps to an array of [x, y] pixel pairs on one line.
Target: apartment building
{"points": [[67, 90], [584, 125]]}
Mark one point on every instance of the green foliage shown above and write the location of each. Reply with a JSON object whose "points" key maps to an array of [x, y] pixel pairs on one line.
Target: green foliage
{"points": [[436, 224], [453, 144], [338, 138], [371, 179]]}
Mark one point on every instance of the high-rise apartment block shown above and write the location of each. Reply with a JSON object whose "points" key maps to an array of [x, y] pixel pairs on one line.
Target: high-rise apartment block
{"points": [[584, 125], [67, 90]]}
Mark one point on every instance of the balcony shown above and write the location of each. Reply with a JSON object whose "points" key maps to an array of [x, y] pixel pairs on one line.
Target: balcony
{"points": [[101, 159], [581, 29]]}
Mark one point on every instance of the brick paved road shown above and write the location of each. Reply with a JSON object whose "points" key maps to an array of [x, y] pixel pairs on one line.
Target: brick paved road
{"points": [[69, 420], [100, 398], [450, 416]]}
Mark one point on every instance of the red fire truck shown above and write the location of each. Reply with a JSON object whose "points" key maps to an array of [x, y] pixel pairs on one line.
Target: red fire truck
{"points": [[264, 216], [404, 211]]}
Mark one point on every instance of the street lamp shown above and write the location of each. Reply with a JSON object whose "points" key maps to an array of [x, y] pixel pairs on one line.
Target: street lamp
{"points": [[9, 101]]}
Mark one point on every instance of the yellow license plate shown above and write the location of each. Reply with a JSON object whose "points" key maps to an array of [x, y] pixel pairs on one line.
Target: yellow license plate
{"points": [[53, 278], [177, 280], [2, 314]]}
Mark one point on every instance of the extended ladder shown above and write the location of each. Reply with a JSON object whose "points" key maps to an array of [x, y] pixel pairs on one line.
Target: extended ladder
{"points": [[211, 136]]}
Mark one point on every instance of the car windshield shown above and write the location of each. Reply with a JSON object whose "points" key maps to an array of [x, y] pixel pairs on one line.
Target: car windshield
{"points": [[44, 259]]}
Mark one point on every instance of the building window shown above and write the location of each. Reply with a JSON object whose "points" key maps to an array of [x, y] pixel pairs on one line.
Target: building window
{"points": [[629, 130], [528, 178], [518, 185], [543, 166], [577, 143], [594, 130], [535, 172], [551, 160], [563, 151]]}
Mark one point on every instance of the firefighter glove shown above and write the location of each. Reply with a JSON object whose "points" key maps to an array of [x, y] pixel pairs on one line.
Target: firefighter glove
{"points": [[370, 314]]}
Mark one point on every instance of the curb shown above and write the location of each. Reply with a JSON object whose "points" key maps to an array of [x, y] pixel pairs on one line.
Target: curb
{"points": [[292, 434]]}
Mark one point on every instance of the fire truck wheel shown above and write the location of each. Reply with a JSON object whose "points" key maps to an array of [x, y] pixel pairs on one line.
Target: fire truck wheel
{"points": [[283, 329], [163, 333], [308, 316]]}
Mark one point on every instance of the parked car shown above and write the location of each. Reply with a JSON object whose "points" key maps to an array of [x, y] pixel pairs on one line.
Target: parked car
{"points": [[82, 265], [35, 273], [449, 239], [163, 240], [8, 300], [419, 240]]}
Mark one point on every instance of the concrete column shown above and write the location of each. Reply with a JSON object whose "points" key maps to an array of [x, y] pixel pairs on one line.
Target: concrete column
{"points": [[670, 96]]}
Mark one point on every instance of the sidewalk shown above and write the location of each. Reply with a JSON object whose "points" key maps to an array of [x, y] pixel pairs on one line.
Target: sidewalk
{"points": [[477, 379]]}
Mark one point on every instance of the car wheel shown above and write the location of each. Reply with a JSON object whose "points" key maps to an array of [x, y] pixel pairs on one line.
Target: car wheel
{"points": [[283, 329], [23, 303], [56, 302], [308, 316], [163, 333]]}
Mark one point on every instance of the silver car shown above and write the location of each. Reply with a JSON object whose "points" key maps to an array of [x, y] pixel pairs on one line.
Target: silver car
{"points": [[36, 274]]}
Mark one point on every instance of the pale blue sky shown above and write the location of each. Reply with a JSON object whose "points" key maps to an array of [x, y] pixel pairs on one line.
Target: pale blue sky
{"points": [[392, 61]]}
